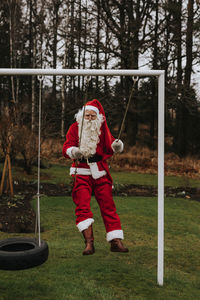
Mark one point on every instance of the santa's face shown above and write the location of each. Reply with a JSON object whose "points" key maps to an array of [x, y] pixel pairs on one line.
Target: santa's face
{"points": [[90, 115]]}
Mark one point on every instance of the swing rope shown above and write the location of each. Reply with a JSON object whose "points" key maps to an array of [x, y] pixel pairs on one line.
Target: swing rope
{"points": [[37, 227], [135, 80], [81, 131], [85, 100]]}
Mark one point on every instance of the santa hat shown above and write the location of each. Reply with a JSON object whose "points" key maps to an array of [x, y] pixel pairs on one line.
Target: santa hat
{"points": [[96, 106]]}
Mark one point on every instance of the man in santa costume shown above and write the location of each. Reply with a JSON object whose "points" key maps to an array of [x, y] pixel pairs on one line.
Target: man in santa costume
{"points": [[89, 144]]}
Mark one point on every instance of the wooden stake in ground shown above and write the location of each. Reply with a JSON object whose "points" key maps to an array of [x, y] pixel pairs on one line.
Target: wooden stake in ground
{"points": [[7, 167]]}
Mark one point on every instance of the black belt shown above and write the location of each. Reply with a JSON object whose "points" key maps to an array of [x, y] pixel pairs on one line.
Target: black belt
{"points": [[91, 159]]}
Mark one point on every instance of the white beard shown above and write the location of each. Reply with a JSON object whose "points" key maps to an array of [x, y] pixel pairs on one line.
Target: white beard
{"points": [[90, 133]]}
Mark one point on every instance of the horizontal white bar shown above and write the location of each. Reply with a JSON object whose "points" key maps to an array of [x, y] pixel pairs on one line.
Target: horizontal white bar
{"points": [[78, 72]]}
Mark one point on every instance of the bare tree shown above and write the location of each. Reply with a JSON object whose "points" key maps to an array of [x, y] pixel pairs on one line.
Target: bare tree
{"points": [[64, 79], [16, 46], [11, 8], [32, 53], [189, 43]]}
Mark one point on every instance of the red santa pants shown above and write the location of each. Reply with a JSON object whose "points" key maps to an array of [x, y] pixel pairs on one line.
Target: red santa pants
{"points": [[102, 187]]}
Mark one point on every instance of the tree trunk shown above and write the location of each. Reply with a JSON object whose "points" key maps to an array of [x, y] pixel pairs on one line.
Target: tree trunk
{"points": [[98, 44], [179, 47], [79, 44], [33, 51], [132, 62], [63, 95], [178, 137], [154, 85], [84, 50], [106, 59], [183, 113], [56, 5], [11, 37], [33, 100], [189, 43]]}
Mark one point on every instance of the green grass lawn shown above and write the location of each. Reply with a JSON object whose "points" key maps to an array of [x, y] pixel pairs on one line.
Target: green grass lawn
{"points": [[67, 274], [59, 174], [151, 179]]}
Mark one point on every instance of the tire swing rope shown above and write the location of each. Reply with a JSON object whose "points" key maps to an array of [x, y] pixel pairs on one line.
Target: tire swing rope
{"points": [[37, 223], [23, 253]]}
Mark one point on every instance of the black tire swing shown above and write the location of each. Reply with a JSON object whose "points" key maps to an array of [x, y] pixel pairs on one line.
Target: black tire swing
{"points": [[23, 253]]}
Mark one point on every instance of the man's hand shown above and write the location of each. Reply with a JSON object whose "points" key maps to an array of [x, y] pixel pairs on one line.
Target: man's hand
{"points": [[117, 146], [76, 153]]}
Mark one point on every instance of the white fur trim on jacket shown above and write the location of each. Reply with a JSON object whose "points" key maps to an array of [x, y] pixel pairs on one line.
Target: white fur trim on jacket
{"points": [[115, 234], [85, 224], [95, 171], [69, 152], [80, 171]]}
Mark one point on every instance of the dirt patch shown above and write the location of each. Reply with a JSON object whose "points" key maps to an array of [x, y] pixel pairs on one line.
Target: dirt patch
{"points": [[16, 214], [152, 191]]}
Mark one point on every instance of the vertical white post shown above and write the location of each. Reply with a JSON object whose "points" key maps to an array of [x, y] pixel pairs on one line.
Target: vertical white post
{"points": [[161, 131], [40, 78]]}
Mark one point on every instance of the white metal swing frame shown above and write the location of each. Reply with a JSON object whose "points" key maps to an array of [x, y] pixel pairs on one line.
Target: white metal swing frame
{"points": [[161, 117]]}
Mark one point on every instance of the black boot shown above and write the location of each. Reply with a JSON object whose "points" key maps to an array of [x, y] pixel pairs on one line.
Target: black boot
{"points": [[89, 241], [117, 246]]}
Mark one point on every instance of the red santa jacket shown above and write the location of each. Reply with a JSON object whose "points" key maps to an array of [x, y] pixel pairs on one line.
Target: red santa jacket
{"points": [[103, 149]]}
